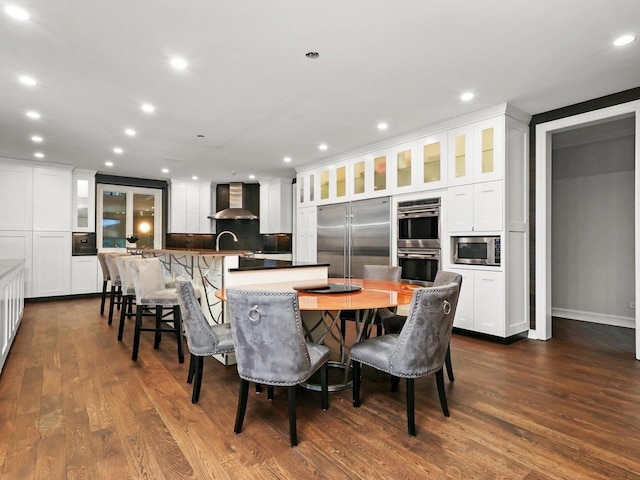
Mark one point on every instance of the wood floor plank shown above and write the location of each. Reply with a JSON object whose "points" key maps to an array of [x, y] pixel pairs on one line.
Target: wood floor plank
{"points": [[74, 405]]}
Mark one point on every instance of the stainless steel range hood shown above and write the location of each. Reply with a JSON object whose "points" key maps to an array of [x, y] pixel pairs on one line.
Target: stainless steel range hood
{"points": [[235, 210]]}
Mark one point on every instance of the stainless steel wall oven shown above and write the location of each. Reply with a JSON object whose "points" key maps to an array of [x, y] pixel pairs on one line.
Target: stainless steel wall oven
{"points": [[419, 240]]}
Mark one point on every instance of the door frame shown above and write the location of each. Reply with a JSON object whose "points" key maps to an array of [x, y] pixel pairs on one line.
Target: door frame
{"points": [[544, 131]]}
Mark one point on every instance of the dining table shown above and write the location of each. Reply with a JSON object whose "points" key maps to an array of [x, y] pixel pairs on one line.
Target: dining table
{"points": [[364, 296]]}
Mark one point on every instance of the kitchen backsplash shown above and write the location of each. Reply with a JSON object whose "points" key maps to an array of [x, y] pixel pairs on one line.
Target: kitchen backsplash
{"points": [[247, 231]]}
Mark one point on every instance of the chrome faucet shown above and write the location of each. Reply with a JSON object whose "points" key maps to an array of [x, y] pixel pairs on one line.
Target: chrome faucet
{"points": [[235, 239]]}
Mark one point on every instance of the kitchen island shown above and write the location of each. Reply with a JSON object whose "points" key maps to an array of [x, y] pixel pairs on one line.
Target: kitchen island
{"points": [[11, 303], [211, 271]]}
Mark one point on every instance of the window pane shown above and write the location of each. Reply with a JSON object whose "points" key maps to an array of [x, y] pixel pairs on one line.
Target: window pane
{"points": [[143, 215], [114, 207]]}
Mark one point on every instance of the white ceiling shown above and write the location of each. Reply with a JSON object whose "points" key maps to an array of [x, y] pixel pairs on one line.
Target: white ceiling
{"points": [[255, 96]]}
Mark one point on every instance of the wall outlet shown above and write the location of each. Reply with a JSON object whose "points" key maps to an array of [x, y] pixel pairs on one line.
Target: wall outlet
{"points": [[632, 304]]}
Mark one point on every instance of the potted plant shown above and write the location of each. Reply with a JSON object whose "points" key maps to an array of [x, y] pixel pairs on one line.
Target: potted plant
{"points": [[132, 239]]}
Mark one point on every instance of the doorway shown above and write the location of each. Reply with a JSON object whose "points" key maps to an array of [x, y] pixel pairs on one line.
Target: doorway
{"points": [[543, 266]]}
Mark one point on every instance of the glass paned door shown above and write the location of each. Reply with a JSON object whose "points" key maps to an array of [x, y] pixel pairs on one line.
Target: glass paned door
{"points": [[129, 211]]}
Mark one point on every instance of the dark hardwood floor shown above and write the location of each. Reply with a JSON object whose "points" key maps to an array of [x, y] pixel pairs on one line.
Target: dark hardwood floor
{"points": [[74, 405]]}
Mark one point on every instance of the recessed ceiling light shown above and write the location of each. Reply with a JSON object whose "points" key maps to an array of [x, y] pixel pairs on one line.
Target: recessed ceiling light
{"points": [[37, 139], [32, 114], [17, 12], [195, 177], [466, 96], [624, 40], [38, 155], [252, 176], [312, 55], [382, 126], [118, 150], [130, 131], [165, 170], [179, 63], [147, 107], [287, 159], [109, 164], [26, 80], [323, 146]]}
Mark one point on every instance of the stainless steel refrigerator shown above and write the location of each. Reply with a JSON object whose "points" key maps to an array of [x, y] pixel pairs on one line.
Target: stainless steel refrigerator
{"points": [[353, 234]]}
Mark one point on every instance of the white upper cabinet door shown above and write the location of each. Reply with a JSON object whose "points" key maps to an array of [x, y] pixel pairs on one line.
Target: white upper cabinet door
{"points": [[276, 206], [460, 155], [178, 208], [460, 209], [403, 168], [84, 201], [192, 210], [51, 200], [16, 198], [361, 174], [487, 207], [206, 209], [488, 155], [431, 171], [339, 178]]}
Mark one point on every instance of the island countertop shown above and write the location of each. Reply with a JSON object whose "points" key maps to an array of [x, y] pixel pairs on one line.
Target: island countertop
{"points": [[196, 252], [247, 264]]}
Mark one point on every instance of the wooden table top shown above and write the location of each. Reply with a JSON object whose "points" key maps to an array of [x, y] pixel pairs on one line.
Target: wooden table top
{"points": [[374, 294]]}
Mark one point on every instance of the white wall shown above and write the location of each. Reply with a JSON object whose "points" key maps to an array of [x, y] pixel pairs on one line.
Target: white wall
{"points": [[593, 230]]}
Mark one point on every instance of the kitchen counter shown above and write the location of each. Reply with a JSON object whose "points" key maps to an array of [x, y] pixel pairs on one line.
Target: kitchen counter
{"points": [[246, 264], [196, 252]]}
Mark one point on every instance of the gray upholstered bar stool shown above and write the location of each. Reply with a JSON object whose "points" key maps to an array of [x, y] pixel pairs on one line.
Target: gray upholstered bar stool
{"points": [[152, 296], [115, 299], [127, 287], [105, 279]]}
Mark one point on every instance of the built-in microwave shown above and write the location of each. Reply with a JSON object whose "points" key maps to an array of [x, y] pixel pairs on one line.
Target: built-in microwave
{"points": [[476, 250]]}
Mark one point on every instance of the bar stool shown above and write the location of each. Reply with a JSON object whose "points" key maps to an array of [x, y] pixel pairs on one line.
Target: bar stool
{"points": [[105, 279], [116, 284], [151, 294], [128, 289]]}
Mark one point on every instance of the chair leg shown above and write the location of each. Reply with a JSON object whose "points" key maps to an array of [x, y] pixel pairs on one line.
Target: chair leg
{"points": [[136, 334], [242, 405], [195, 396], [158, 336], [293, 433], [104, 296], [192, 368], [411, 417], [394, 383], [441, 392], [356, 384], [447, 362], [112, 299], [269, 392], [122, 315], [258, 388], [119, 297], [177, 322], [324, 386], [379, 329]]}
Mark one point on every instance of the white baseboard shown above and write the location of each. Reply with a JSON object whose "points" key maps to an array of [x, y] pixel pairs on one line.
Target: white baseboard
{"points": [[616, 320]]}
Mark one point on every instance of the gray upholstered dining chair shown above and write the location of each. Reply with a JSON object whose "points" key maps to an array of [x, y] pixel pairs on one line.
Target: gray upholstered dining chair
{"points": [[151, 294], [374, 272], [127, 288], [203, 339], [419, 349], [115, 299], [394, 323], [271, 349]]}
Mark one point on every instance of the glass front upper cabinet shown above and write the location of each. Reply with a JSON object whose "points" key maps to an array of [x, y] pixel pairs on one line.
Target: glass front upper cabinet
{"points": [[432, 152], [380, 173], [359, 177], [460, 160], [324, 185], [341, 181], [489, 150], [403, 168]]}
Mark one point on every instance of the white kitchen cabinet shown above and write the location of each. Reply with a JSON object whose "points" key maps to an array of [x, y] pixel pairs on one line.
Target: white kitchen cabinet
{"points": [[481, 305], [16, 197], [84, 200], [305, 247], [475, 208], [84, 274], [276, 206], [307, 185], [431, 172], [403, 168], [476, 152], [18, 245], [190, 205], [51, 200], [51, 264]]}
